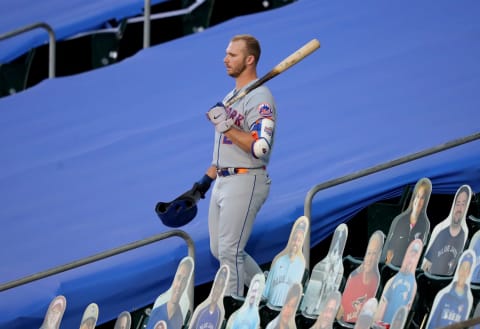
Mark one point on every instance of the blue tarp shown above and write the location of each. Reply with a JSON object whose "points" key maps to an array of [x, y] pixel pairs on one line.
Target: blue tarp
{"points": [[66, 18], [84, 159]]}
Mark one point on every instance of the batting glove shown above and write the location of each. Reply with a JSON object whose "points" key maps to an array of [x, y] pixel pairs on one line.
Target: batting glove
{"points": [[203, 185], [219, 117]]}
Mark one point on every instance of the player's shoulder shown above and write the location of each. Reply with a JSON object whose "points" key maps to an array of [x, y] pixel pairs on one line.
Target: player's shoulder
{"points": [[261, 92]]}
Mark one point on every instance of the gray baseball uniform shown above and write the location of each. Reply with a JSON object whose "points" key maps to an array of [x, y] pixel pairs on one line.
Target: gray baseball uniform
{"points": [[241, 187]]}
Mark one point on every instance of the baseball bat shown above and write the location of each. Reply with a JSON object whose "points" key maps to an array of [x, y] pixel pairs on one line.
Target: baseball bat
{"points": [[285, 64]]}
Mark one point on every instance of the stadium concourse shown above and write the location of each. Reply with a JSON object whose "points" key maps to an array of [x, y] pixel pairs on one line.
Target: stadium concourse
{"points": [[85, 158]]}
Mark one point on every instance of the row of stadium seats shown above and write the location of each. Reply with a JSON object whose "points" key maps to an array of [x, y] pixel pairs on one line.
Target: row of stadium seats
{"points": [[339, 290], [118, 40]]}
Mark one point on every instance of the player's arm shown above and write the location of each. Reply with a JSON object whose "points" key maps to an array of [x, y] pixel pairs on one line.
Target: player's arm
{"points": [[203, 184], [212, 172], [257, 141], [382, 305], [240, 138], [340, 312], [414, 292], [427, 265], [388, 258], [218, 116]]}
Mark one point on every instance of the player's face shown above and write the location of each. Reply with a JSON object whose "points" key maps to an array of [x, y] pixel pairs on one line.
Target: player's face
{"points": [[463, 272], [460, 207], [419, 200], [122, 323], [297, 242], [289, 309], [371, 256], [179, 283], [253, 292], [398, 320], [88, 324], [235, 58], [217, 289], [410, 260], [54, 316], [328, 313]]}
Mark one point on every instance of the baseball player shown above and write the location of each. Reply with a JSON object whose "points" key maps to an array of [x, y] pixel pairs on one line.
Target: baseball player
{"points": [[244, 134]]}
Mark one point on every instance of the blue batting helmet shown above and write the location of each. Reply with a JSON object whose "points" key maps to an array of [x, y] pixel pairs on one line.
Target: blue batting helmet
{"points": [[177, 213]]}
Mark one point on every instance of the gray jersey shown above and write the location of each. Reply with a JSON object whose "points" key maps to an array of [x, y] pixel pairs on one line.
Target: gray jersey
{"points": [[257, 104]]}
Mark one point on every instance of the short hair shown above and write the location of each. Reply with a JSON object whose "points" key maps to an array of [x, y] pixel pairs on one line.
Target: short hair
{"points": [[424, 183], [301, 226], [221, 277], [187, 262], [416, 247], [58, 303], [463, 188], [467, 258], [252, 45], [377, 236]]}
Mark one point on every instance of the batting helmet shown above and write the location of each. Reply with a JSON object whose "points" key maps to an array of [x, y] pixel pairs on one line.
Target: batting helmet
{"points": [[180, 211]]}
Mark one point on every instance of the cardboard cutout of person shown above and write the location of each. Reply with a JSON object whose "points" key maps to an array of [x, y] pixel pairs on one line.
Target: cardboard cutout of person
{"points": [[453, 303], [401, 288], [55, 312], [90, 317], [362, 284], [366, 314], [288, 267], [326, 275], [476, 314], [211, 312], [173, 305], [124, 321], [328, 311], [248, 316], [399, 318], [286, 318], [411, 224], [475, 246], [449, 237]]}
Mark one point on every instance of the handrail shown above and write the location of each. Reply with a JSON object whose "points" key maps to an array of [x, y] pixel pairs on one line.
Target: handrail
{"points": [[52, 42], [147, 17], [106, 254], [361, 173]]}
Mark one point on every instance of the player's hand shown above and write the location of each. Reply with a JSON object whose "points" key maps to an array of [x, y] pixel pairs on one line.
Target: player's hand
{"points": [[203, 185], [219, 117], [427, 265], [389, 256]]}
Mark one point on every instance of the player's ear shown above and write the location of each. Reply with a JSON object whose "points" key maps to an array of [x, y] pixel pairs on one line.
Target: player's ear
{"points": [[250, 59]]}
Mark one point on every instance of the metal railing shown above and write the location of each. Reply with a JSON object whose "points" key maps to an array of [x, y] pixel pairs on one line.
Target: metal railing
{"points": [[107, 254], [51, 42], [387, 165], [147, 18]]}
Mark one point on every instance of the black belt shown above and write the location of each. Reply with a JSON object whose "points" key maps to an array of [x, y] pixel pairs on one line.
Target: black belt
{"points": [[223, 172]]}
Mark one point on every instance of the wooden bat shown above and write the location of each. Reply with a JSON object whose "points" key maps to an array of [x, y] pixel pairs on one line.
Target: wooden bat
{"points": [[285, 64]]}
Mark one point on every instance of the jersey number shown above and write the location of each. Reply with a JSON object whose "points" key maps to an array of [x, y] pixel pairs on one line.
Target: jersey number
{"points": [[226, 140]]}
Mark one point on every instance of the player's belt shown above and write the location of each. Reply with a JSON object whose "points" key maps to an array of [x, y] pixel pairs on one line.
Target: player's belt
{"points": [[222, 172]]}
